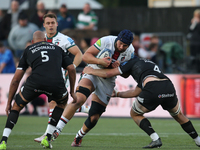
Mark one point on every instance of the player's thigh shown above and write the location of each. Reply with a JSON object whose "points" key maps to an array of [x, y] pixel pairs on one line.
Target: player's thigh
{"points": [[104, 89], [86, 83]]}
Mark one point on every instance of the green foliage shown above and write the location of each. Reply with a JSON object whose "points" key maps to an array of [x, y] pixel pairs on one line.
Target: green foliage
{"points": [[109, 134]]}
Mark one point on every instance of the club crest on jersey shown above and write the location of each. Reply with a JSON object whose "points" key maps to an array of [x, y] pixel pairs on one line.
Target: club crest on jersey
{"points": [[99, 43], [122, 58], [57, 43]]}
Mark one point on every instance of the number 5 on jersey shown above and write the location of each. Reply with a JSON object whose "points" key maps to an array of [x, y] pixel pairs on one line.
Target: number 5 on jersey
{"points": [[44, 55]]}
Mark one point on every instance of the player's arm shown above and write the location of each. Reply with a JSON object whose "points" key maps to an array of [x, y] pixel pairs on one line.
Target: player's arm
{"points": [[13, 88], [128, 93], [67, 64], [89, 57], [77, 53], [104, 73]]}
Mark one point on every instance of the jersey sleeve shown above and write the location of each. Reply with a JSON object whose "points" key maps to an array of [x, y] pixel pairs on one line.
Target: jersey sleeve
{"points": [[23, 65], [101, 43], [125, 67], [69, 43], [66, 60]]}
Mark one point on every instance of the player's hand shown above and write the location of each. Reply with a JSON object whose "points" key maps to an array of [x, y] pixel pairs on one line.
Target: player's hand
{"points": [[105, 62], [114, 93], [88, 70], [73, 95], [115, 64], [8, 108]]}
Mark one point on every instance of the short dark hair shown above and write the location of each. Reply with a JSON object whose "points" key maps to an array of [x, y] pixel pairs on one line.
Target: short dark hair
{"points": [[50, 15], [22, 16]]}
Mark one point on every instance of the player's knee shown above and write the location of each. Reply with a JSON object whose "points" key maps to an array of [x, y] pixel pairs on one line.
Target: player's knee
{"points": [[83, 90], [135, 110], [19, 101], [177, 112]]}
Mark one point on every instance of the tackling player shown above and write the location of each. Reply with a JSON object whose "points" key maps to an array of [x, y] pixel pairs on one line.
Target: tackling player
{"points": [[153, 89], [68, 45]]}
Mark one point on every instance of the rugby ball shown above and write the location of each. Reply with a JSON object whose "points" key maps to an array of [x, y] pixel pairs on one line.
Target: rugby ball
{"points": [[104, 53]]}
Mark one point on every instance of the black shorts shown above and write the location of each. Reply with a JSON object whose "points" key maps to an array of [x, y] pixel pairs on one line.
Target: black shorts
{"points": [[53, 92], [157, 93]]}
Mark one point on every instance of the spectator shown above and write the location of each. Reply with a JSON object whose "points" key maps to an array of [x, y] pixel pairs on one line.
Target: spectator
{"points": [[87, 19], [194, 32], [11, 19], [21, 34], [65, 20], [37, 17], [7, 64], [153, 49], [136, 44]]}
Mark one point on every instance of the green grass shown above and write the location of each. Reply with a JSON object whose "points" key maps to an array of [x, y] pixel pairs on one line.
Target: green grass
{"points": [[109, 134]]}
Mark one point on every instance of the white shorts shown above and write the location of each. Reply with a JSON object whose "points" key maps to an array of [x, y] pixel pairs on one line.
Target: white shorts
{"points": [[103, 87]]}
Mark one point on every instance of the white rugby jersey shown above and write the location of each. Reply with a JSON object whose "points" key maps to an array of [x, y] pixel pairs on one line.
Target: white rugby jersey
{"points": [[63, 41], [108, 42]]}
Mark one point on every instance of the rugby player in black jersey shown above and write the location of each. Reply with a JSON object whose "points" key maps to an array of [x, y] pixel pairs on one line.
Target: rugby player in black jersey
{"points": [[153, 89], [46, 60]]}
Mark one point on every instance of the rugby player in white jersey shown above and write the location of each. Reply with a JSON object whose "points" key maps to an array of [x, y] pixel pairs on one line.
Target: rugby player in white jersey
{"points": [[101, 88], [68, 45]]}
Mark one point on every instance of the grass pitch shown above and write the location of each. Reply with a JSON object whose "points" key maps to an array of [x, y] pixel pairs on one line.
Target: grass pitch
{"points": [[109, 134]]}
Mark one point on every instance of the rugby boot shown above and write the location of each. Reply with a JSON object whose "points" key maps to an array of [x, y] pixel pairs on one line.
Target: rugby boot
{"points": [[154, 144], [77, 142], [39, 139], [46, 144], [3, 145]]}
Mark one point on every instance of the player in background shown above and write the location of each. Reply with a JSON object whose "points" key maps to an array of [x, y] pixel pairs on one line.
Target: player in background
{"points": [[68, 45], [46, 60], [153, 89], [101, 88]]}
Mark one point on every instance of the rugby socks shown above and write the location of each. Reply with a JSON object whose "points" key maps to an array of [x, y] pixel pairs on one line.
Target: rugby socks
{"points": [[84, 109], [11, 121], [80, 133], [61, 124], [50, 114], [145, 125], [56, 114], [188, 127]]}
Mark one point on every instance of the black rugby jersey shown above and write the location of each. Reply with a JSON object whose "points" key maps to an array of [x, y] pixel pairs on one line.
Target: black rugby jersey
{"points": [[139, 68], [46, 60]]}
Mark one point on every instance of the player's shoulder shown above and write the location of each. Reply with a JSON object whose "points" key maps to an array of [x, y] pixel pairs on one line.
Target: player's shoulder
{"points": [[61, 35], [107, 39]]}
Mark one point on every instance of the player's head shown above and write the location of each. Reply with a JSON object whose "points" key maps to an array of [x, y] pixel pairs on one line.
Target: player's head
{"points": [[23, 19], [50, 23], [124, 39], [38, 36]]}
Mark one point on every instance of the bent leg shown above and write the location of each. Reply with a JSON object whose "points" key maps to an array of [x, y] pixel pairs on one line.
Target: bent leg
{"points": [[185, 123], [96, 110], [136, 113], [13, 116]]}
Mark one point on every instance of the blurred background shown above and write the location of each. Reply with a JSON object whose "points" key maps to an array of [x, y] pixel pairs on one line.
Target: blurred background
{"points": [[165, 31]]}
